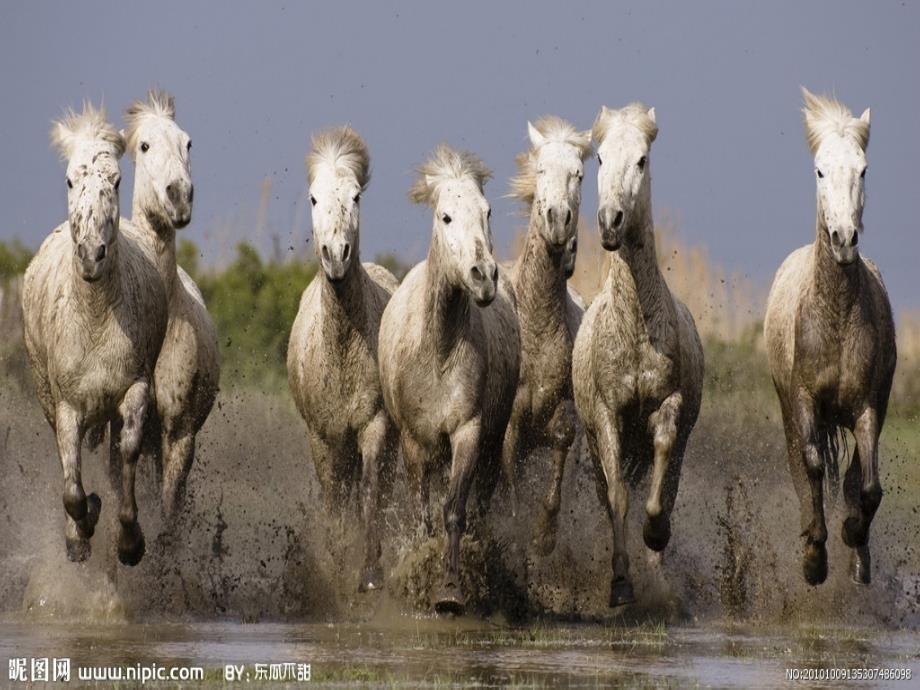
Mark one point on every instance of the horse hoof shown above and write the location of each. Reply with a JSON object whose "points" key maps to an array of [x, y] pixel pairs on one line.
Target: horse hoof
{"points": [[75, 502], [449, 600], [131, 545], [861, 566], [814, 564], [656, 532], [371, 579], [621, 592], [78, 550], [853, 534]]}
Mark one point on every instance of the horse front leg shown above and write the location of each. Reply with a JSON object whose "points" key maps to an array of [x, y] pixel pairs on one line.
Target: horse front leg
{"points": [[863, 493], [418, 480], [511, 449], [376, 443], [178, 453], [561, 435], [814, 562], [82, 511], [609, 457], [464, 444], [656, 532], [133, 411]]}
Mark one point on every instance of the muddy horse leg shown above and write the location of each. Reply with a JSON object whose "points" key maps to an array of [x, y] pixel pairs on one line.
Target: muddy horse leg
{"points": [[863, 494], [663, 426], [609, 457], [375, 442], [82, 511], [133, 410], [464, 444], [178, 455], [418, 482], [814, 562], [561, 434], [511, 449]]}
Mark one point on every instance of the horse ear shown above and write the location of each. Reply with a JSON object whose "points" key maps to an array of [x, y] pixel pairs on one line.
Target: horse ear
{"points": [[865, 116], [536, 138], [62, 138], [651, 115]]}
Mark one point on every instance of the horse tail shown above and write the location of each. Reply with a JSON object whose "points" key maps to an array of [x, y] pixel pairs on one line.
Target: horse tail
{"points": [[832, 442]]}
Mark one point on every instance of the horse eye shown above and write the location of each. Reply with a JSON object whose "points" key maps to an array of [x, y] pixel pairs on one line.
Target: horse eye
{"points": [[188, 146], [862, 175], [117, 183], [145, 147], [446, 219], [489, 213], [69, 184], [820, 174], [642, 163], [312, 200], [357, 198], [599, 161]]}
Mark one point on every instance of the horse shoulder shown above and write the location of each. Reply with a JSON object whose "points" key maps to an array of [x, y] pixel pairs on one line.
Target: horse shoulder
{"points": [[382, 277], [781, 313]]}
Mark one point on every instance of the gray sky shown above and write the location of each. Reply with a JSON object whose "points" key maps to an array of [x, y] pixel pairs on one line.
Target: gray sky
{"points": [[253, 80]]}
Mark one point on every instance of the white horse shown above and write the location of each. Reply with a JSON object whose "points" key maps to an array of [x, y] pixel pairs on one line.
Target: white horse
{"points": [[549, 181], [188, 369], [831, 342], [94, 317], [332, 354], [450, 351], [638, 361]]}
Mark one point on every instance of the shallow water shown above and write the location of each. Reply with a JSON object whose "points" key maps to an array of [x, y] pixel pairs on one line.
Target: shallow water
{"points": [[428, 652]]}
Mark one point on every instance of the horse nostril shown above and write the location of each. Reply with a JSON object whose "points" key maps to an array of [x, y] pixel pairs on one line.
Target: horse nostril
{"points": [[81, 252], [346, 252], [568, 217], [549, 215], [855, 240], [476, 273], [835, 238], [618, 219], [325, 252], [495, 274], [100, 253], [191, 193]]}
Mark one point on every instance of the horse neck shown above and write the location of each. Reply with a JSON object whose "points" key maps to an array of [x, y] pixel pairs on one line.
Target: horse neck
{"points": [[539, 279], [447, 306], [834, 288], [642, 261], [94, 301], [163, 237], [343, 304]]}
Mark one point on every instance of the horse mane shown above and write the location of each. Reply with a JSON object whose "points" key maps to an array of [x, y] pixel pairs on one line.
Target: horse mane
{"points": [[554, 129], [89, 124], [825, 115], [159, 103], [340, 147], [446, 163], [636, 114]]}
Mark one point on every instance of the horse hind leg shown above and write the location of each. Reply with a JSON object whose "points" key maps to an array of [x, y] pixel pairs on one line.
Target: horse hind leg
{"points": [[562, 435], [863, 494], [377, 445]]}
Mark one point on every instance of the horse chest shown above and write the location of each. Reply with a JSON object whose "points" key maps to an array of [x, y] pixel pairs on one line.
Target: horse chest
{"points": [[637, 368], [344, 393], [96, 369]]}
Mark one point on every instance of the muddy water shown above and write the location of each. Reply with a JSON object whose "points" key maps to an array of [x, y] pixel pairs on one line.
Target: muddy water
{"points": [[255, 572], [427, 653]]}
